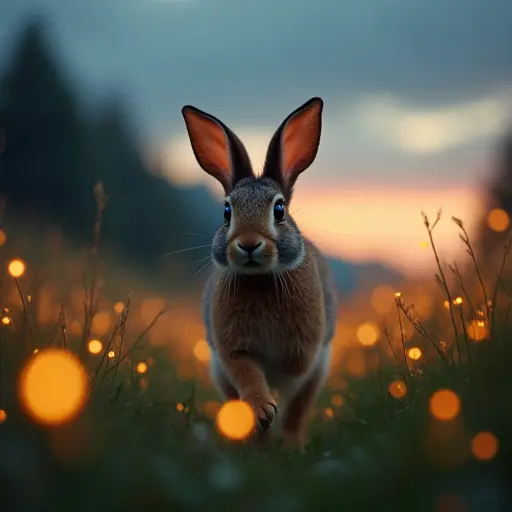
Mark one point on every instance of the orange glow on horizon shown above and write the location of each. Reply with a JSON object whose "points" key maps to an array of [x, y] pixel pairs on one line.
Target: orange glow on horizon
{"points": [[359, 224]]}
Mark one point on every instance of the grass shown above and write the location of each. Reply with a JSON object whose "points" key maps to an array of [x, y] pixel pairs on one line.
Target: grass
{"points": [[137, 446]]}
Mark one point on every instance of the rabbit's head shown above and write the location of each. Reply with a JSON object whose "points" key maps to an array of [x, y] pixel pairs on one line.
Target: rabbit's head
{"points": [[258, 235]]}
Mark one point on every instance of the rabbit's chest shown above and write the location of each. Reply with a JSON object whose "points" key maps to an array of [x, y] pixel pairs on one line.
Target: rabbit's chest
{"points": [[271, 321]]}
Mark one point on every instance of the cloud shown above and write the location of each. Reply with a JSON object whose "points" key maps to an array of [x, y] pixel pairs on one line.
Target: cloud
{"points": [[424, 131], [405, 83], [248, 59]]}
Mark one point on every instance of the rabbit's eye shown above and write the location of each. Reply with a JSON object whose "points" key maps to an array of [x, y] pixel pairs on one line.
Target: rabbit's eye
{"points": [[227, 213], [279, 211]]}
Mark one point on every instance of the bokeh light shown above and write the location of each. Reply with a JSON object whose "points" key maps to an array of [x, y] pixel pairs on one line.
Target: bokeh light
{"points": [[202, 351], [356, 363], [3, 237], [477, 330], [95, 346], [3, 416], [337, 400], [484, 446], [414, 353], [367, 334], [444, 405], [118, 307], [236, 420], [6, 320], [111, 354], [16, 267], [53, 386], [382, 299], [142, 367], [498, 220], [397, 389], [101, 323], [458, 301]]}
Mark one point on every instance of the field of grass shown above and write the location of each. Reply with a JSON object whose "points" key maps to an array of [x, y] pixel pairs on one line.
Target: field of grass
{"points": [[428, 435]]}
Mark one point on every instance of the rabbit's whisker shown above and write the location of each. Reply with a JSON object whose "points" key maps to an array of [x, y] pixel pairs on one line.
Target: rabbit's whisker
{"points": [[203, 268], [303, 206], [186, 250], [190, 234]]}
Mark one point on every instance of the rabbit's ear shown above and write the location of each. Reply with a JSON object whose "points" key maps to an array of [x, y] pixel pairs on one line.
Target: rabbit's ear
{"points": [[294, 145], [217, 149]]}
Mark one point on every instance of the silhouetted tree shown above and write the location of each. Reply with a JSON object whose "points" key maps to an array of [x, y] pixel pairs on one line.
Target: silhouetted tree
{"points": [[42, 165], [52, 157], [499, 196]]}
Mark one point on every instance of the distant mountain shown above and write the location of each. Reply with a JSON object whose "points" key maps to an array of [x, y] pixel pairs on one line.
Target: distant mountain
{"points": [[350, 276]]}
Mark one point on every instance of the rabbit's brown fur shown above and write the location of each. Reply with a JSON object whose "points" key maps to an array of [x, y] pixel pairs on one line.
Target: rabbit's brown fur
{"points": [[269, 305]]}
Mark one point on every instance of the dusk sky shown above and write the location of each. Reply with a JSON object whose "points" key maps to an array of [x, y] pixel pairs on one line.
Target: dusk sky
{"points": [[417, 94]]}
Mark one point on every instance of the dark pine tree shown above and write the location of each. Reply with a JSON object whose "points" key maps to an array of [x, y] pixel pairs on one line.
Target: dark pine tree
{"points": [[42, 165]]}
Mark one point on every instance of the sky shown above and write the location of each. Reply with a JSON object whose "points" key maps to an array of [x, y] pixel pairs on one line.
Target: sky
{"points": [[417, 95]]}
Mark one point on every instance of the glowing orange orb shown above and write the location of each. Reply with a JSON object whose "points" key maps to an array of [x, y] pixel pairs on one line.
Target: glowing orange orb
{"points": [[498, 220], [397, 389], [142, 367], [367, 334], [484, 446], [16, 268], [202, 351], [118, 307], [53, 386], [236, 420], [444, 405], [382, 299], [95, 346], [414, 353]]}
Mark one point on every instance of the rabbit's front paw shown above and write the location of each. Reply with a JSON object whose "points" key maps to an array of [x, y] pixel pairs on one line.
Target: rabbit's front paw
{"points": [[265, 409]]}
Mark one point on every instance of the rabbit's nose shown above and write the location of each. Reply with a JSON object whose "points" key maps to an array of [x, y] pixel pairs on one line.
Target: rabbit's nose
{"points": [[248, 247]]}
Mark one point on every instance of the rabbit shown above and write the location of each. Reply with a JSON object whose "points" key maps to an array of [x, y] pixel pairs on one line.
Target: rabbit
{"points": [[269, 305]]}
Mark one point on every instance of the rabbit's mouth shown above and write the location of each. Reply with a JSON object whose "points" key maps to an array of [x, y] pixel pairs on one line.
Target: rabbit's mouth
{"points": [[252, 264], [252, 253]]}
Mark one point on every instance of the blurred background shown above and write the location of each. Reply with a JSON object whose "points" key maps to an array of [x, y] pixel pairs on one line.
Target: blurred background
{"points": [[417, 117]]}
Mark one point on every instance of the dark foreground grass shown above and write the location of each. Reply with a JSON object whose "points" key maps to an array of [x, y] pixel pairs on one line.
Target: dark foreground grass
{"points": [[132, 449]]}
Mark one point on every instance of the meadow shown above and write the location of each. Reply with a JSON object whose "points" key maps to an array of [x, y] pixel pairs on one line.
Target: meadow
{"points": [[105, 400]]}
